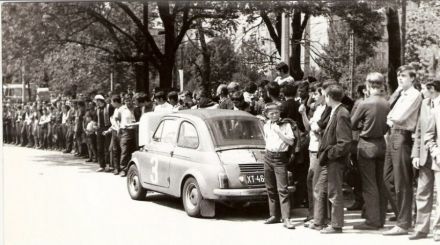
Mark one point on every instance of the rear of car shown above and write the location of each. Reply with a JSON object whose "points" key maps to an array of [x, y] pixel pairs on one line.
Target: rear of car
{"points": [[239, 144]]}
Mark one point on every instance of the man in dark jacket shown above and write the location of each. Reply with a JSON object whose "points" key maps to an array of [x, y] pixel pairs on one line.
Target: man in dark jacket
{"points": [[333, 155]]}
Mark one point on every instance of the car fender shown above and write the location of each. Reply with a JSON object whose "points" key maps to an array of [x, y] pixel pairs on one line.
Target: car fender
{"points": [[135, 161], [205, 189]]}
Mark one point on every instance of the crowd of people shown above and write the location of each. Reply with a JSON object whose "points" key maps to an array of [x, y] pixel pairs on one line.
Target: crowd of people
{"points": [[382, 145]]}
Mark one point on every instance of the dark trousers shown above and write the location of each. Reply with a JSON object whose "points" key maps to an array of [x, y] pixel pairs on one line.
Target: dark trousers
{"points": [[352, 174], [275, 175], [128, 146], [69, 138], [398, 162], [100, 146], [330, 183], [371, 157], [18, 128], [116, 150]]}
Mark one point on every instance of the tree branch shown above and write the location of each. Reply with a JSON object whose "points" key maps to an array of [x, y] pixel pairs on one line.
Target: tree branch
{"points": [[271, 29], [143, 29]]}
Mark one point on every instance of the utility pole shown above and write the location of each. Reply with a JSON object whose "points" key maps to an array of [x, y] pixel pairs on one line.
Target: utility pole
{"points": [[403, 32], [352, 62], [285, 35], [307, 50], [146, 86]]}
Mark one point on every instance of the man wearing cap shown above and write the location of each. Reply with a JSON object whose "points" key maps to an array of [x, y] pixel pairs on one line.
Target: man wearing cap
{"points": [[102, 140], [283, 77]]}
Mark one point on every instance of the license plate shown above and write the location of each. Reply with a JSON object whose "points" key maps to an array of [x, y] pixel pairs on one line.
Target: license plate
{"points": [[255, 179]]}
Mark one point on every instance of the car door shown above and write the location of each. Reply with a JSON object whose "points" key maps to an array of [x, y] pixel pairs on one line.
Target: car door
{"points": [[156, 169]]}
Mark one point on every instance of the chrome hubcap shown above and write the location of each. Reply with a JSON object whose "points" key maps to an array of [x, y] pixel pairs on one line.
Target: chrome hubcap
{"points": [[192, 196], [134, 184]]}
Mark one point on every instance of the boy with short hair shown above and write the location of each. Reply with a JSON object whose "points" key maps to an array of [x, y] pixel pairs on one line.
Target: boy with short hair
{"points": [[278, 137]]}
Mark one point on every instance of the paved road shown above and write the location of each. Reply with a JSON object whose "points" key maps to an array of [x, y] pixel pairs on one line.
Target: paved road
{"points": [[54, 198]]}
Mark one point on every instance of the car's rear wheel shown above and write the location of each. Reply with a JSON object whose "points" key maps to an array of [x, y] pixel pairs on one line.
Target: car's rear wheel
{"points": [[192, 198], [135, 189]]}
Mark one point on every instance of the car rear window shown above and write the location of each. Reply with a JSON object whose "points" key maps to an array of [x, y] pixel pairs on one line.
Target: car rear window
{"points": [[237, 131]]}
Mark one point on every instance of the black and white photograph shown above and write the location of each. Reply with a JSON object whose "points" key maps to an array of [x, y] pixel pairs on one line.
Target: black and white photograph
{"points": [[220, 122]]}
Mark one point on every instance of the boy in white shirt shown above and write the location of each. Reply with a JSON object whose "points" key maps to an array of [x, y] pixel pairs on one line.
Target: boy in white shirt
{"points": [[278, 137]]}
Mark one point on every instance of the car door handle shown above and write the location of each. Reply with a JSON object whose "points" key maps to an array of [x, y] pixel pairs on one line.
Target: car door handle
{"points": [[171, 153]]}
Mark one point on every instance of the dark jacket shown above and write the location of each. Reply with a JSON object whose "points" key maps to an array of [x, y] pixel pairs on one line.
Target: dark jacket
{"points": [[336, 140]]}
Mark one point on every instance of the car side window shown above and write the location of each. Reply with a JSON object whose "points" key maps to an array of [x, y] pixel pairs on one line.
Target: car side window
{"points": [[188, 137], [169, 131], [158, 134]]}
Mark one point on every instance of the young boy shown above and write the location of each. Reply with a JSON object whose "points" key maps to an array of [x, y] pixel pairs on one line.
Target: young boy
{"points": [[278, 137], [90, 130]]}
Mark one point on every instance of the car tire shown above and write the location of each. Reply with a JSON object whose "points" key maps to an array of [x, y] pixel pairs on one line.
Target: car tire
{"points": [[135, 189], [192, 198]]}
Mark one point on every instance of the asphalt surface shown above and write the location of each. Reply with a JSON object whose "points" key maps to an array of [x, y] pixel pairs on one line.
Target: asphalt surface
{"points": [[55, 198]]}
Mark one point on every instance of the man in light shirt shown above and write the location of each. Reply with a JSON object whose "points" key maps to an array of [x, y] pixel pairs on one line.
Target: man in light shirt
{"points": [[127, 133], [283, 77], [162, 104], [278, 137], [402, 120]]}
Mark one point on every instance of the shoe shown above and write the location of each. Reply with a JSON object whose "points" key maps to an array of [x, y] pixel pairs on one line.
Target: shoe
{"points": [[331, 230], [288, 224], [100, 170], [396, 231], [308, 219], [272, 220], [365, 227], [356, 206], [436, 237], [123, 173], [66, 151], [308, 223], [418, 235], [107, 170], [111, 169], [393, 218], [115, 172], [314, 226], [89, 160]]}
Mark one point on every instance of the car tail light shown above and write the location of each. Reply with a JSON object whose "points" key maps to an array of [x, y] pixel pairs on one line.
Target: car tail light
{"points": [[223, 181]]}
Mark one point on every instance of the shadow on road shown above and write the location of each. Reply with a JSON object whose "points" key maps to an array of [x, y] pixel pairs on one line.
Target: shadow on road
{"points": [[65, 160]]}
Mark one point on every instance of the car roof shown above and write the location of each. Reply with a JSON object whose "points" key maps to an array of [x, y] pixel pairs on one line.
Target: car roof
{"points": [[206, 114]]}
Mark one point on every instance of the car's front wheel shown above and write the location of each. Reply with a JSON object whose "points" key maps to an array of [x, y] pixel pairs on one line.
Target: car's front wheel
{"points": [[135, 189], [192, 198]]}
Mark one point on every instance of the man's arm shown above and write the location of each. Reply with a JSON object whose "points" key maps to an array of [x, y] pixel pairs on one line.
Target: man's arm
{"points": [[415, 153], [343, 137], [430, 137], [358, 115]]}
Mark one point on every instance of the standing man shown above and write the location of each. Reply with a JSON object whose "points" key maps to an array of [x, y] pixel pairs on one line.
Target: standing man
{"points": [[283, 77], [102, 126], [128, 133], [422, 160], [278, 136], [402, 121], [114, 132], [370, 118], [333, 154]]}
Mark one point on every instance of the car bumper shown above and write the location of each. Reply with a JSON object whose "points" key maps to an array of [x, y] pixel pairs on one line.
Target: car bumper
{"points": [[255, 192]]}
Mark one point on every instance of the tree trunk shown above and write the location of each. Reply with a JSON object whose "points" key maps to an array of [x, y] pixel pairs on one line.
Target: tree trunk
{"points": [[146, 84], [394, 47], [166, 74], [206, 71], [295, 61], [141, 71]]}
